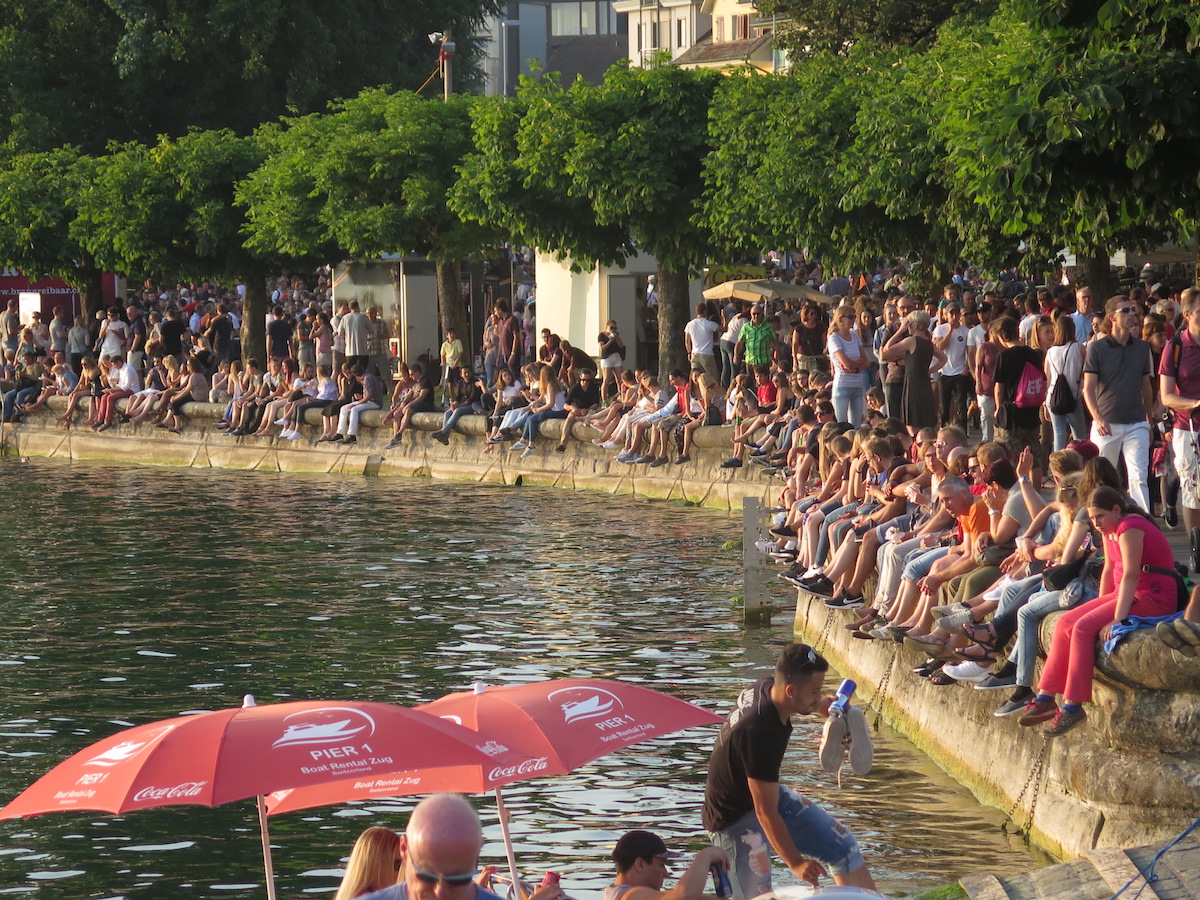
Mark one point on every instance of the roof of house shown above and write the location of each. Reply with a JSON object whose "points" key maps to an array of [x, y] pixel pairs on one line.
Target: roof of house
{"points": [[706, 52]]}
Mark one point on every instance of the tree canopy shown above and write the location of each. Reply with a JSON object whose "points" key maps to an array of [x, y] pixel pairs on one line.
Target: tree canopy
{"points": [[86, 72]]}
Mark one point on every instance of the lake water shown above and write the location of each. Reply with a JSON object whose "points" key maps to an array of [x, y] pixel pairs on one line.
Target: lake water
{"points": [[142, 593]]}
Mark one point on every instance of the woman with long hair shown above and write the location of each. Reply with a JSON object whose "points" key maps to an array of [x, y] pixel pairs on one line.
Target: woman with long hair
{"points": [[373, 865], [550, 404], [1137, 579], [1064, 359], [849, 359], [922, 358]]}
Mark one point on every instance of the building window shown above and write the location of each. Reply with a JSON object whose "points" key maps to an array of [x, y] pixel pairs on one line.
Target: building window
{"points": [[740, 27], [564, 18], [587, 19], [720, 29], [681, 33]]}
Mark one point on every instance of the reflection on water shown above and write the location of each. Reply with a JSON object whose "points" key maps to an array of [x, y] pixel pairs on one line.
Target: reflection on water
{"points": [[138, 594]]}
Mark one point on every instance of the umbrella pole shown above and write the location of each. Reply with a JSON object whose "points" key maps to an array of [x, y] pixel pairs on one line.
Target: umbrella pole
{"points": [[266, 845], [518, 891]]}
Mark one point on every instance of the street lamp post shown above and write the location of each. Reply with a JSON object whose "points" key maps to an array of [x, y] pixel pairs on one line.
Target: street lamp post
{"points": [[505, 36]]}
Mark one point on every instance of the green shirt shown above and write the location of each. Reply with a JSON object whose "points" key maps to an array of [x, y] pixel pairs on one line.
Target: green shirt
{"points": [[757, 340]]}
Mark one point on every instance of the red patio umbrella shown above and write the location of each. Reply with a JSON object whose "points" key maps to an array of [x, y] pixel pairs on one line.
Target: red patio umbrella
{"points": [[233, 754], [557, 725]]}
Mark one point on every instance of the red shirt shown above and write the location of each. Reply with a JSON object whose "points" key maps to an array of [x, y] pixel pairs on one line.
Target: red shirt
{"points": [[1181, 360]]}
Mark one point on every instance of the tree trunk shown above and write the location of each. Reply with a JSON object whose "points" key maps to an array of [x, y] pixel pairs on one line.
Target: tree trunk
{"points": [[93, 290], [451, 312], [1094, 270], [673, 312], [254, 317]]}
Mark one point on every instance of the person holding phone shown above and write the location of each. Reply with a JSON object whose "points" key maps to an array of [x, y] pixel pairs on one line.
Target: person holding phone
{"points": [[641, 859]]}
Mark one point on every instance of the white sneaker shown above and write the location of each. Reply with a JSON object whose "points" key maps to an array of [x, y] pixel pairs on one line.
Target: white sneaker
{"points": [[293, 435], [968, 670], [281, 421], [612, 445], [765, 546], [528, 451]]}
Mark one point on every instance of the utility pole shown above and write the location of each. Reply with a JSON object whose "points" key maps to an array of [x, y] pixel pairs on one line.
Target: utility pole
{"points": [[447, 56]]}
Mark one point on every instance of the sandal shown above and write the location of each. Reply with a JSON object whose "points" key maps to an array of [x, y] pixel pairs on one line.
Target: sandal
{"points": [[979, 653], [981, 633], [941, 679], [927, 668]]}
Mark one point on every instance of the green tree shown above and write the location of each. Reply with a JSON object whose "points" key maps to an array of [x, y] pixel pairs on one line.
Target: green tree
{"points": [[90, 71], [37, 203], [167, 210], [618, 166], [835, 26], [1075, 125], [369, 177]]}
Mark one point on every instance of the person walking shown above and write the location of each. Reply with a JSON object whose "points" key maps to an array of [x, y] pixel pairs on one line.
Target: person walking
{"points": [[1179, 387], [1117, 390]]}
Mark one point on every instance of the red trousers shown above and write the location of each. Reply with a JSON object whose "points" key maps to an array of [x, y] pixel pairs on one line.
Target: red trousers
{"points": [[108, 405], [1071, 662]]}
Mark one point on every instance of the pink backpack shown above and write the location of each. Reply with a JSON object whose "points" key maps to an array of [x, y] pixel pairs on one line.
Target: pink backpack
{"points": [[1031, 389]]}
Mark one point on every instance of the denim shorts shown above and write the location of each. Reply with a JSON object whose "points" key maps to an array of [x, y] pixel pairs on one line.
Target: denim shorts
{"points": [[815, 833]]}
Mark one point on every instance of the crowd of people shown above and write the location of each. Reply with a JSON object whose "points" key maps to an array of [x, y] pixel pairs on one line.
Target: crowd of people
{"points": [[965, 553]]}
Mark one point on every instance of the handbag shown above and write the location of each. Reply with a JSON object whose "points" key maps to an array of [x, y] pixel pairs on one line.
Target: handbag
{"points": [[995, 554], [1056, 578]]}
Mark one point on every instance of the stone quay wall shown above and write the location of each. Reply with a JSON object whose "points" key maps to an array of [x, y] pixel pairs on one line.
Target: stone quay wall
{"points": [[1130, 775], [582, 466]]}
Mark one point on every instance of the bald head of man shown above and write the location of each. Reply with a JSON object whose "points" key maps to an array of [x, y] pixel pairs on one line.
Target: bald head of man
{"points": [[440, 849]]}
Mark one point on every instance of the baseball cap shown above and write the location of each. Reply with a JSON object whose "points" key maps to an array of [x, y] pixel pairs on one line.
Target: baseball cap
{"points": [[635, 845], [1084, 448]]}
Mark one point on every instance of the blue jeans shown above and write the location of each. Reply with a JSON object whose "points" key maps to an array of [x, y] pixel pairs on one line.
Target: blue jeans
{"points": [[451, 416], [849, 403], [815, 833], [919, 562], [532, 423], [1077, 422], [726, 351], [15, 398]]}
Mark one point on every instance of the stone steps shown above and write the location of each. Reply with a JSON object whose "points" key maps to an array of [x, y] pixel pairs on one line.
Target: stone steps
{"points": [[1098, 875]]}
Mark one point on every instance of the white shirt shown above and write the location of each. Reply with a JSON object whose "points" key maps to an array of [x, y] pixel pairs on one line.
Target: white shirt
{"points": [[955, 349], [701, 332]]}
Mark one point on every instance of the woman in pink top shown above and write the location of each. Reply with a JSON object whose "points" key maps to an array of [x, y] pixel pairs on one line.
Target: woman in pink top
{"points": [[1131, 542]]}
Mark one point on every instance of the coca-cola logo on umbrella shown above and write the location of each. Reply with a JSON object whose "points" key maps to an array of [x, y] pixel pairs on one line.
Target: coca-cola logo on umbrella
{"points": [[582, 703], [525, 767], [326, 725]]}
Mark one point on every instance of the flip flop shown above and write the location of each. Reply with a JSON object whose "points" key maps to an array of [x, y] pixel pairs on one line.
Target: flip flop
{"points": [[941, 678], [862, 748]]}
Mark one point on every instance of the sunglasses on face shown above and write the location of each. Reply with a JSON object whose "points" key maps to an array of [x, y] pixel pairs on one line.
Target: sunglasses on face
{"points": [[432, 878]]}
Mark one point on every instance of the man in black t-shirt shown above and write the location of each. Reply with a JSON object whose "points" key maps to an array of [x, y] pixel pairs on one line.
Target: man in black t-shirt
{"points": [[1016, 427], [746, 808], [582, 398], [171, 333]]}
